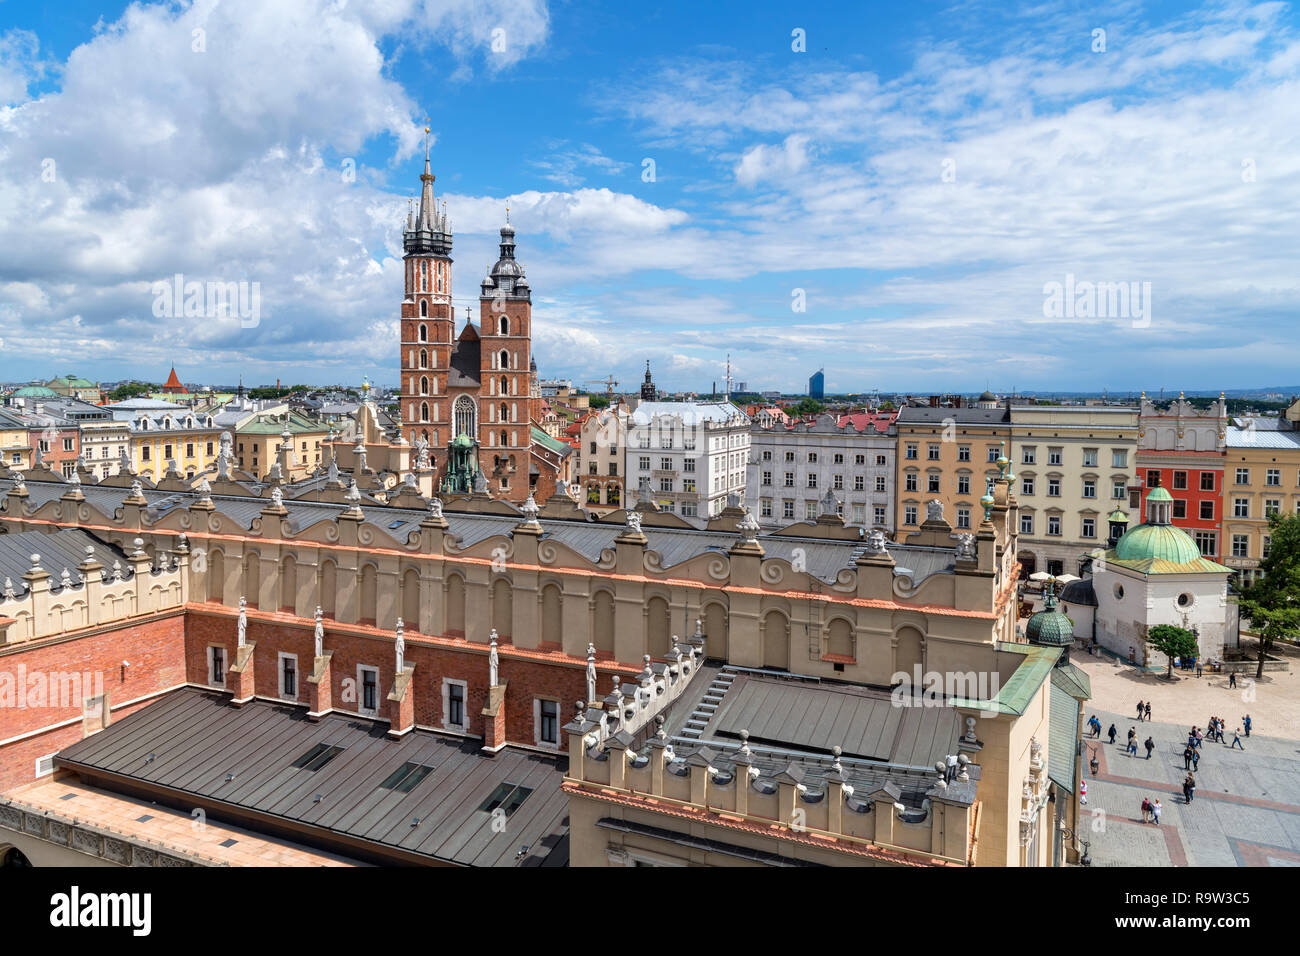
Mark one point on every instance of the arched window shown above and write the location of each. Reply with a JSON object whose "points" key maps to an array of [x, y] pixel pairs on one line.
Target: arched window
{"points": [[424, 332], [424, 385], [503, 439], [424, 358], [503, 385], [505, 325], [503, 414], [424, 307], [464, 416], [424, 415], [504, 359]]}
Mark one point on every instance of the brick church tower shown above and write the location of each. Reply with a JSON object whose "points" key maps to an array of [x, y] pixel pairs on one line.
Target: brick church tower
{"points": [[478, 383], [505, 331], [427, 321]]}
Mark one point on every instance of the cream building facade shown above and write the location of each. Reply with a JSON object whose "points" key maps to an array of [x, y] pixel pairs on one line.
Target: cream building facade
{"points": [[1075, 465], [1261, 475]]}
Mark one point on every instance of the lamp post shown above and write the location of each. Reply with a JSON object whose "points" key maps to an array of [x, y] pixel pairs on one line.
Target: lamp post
{"points": [[1084, 858]]}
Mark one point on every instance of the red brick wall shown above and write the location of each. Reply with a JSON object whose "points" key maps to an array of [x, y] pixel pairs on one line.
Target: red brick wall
{"points": [[526, 678], [154, 648]]}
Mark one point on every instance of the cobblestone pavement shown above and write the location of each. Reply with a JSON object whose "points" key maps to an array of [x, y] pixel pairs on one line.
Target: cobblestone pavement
{"points": [[1245, 812], [1273, 703]]}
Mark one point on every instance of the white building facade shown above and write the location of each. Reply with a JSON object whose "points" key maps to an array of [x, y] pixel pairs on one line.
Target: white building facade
{"points": [[792, 469], [686, 457]]}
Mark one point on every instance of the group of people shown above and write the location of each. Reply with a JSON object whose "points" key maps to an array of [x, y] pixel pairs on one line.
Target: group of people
{"points": [[1151, 810], [1216, 731], [1143, 711]]}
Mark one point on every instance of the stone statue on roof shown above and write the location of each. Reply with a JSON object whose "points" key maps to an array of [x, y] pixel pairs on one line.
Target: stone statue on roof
{"points": [[591, 672], [399, 646], [243, 621], [493, 662], [748, 528], [634, 522], [435, 507], [965, 546], [876, 542], [934, 510], [320, 633]]}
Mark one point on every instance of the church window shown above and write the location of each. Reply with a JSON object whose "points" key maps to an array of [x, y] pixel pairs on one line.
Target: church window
{"points": [[424, 332], [503, 413], [465, 416], [505, 325], [424, 413], [503, 439], [424, 359], [504, 359], [424, 307], [424, 385]]}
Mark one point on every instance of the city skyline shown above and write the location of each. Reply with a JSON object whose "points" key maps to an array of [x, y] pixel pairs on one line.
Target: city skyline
{"points": [[946, 177]]}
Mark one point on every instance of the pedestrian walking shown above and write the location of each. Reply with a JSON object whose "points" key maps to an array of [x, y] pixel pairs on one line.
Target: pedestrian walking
{"points": [[1083, 791], [1187, 757], [1236, 739], [1245, 722], [1112, 733], [1232, 679], [1146, 710], [1196, 759], [1139, 710], [1198, 668], [1189, 788], [1155, 812], [1150, 745], [1146, 810]]}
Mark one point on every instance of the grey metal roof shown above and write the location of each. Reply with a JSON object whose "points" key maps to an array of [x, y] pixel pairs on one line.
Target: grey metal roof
{"points": [[197, 738], [1262, 436], [58, 550], [796, 720], [823, 558], [913, 414]]}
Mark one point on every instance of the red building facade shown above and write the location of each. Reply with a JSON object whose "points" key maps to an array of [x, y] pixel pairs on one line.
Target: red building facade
{"points": [[1181, 449]]}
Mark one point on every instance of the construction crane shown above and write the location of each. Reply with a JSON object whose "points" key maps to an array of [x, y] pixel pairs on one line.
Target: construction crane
{"points": [[609, 384]]}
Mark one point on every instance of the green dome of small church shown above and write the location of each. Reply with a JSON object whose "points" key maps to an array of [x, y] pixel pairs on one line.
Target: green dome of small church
{"points": [[1157, 538]]}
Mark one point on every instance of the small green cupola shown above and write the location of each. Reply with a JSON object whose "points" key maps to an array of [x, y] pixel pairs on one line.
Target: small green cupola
{"points": [[1050, 628]]}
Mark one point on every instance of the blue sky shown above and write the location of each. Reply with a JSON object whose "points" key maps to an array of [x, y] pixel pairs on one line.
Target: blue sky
{"points": [[917, 177]]}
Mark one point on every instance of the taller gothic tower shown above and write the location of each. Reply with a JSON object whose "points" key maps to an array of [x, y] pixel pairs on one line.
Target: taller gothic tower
{"points": [[427, 321]]}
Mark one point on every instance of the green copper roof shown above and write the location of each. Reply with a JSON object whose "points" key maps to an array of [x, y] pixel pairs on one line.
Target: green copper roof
{"points": [[1014, 696], [1119, 516], [1162, 542], [270, 424], [1063, 737], [35, 391], [1049, 626], [545, 440], [1159, 494]]}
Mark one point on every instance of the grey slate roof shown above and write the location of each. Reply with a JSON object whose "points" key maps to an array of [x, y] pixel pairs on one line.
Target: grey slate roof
{"points": [[197, 738], [913, 414], [58, 550], [823, 558]]}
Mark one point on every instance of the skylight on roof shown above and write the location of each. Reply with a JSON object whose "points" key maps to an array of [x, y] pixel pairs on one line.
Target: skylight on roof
{"points": [[317, 757], [506, 796], [406, 777]]}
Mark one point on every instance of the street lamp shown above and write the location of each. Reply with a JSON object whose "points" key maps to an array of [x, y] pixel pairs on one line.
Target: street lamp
{"points": [[1084, 858]]}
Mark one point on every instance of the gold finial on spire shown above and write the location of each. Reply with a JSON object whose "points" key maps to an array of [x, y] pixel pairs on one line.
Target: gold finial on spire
{"points": [[507, 214]]}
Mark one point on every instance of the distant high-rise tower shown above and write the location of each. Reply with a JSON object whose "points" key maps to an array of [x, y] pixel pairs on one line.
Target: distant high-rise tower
{"points": [[817, 384], [648, 391]]}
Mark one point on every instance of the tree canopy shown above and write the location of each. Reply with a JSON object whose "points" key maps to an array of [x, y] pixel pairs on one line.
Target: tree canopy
{"points": [[1272, 603], [1173, 642]]}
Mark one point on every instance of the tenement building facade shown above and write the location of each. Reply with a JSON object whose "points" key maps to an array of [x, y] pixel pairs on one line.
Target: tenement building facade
{"points": [[1076, 465], [614, 691], [792, 468]]}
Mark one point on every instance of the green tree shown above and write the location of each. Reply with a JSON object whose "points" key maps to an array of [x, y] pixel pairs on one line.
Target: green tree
{"points": [[130, 390], [1173, 642], [1272, 603], [597, 402], [808, 406]]}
